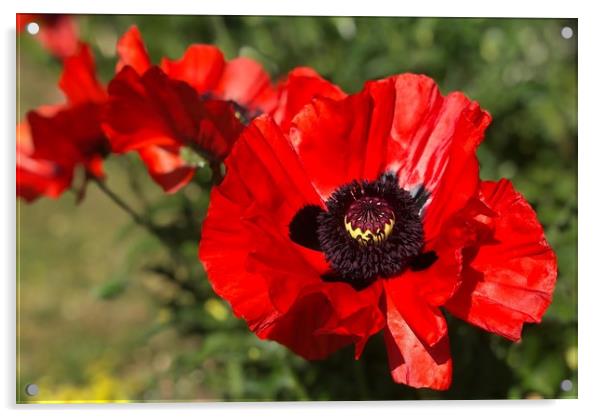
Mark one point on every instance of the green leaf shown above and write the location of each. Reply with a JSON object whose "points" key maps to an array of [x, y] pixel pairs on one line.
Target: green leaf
{"points": [[111, 289]]}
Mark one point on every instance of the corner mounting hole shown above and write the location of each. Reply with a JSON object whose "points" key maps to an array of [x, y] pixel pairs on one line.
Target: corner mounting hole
{"points": [[566, 32], [32, 389], [566, 385], [33, 28]]}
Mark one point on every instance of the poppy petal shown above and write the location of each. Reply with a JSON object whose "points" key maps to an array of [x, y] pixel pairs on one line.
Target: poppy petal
{"points": [[69, 137], [411, 362], [218, 128], [78, 80], [300, 87], [36, 177], [149, 110], [508, 280], [247, 83], [201, 67], [51, 140], [425, 320], [297, 329], [439, 278], [226, 269], [268, 173], [94, 167], [166, 167], [131, 51], [330, 137], [354, 313]]}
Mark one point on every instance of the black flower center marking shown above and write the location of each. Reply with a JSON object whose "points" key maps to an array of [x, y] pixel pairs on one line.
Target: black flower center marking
{"points": [[369, 230]]}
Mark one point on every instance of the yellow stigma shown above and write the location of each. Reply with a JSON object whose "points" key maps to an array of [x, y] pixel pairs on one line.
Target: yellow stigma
{"points": [[370, 237]]}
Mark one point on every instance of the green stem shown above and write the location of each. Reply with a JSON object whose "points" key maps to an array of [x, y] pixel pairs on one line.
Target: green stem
{"points": [[121, 203]]}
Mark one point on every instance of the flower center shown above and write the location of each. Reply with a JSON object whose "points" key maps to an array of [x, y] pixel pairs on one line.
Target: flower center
{"points": [[369, 220], [369, 230]]}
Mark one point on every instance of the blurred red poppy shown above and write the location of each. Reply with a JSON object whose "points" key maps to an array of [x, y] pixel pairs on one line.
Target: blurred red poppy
{"points": [[201, 101], [57, 32], [55, 140], [36, 176], [366, 213]]}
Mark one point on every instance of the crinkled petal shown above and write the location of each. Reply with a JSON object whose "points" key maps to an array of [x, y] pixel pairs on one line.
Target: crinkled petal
{"points": [[225, 265], [266, 173], [356, 314], [297, 329], [509, 279], [438, 282], [330, 137], [410, 360], [425, 320]]}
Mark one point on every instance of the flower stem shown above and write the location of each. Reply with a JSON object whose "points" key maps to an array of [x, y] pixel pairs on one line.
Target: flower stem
{"points": [[121, 203]]}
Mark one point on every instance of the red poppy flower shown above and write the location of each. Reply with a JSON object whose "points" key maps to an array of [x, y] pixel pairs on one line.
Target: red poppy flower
{"points": [[366, 215], [35, 177], [55, 141], [58, 33], [201, 101]]}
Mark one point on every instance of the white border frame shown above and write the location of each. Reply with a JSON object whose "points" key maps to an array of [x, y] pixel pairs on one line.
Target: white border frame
{"points": [[589, 62]]}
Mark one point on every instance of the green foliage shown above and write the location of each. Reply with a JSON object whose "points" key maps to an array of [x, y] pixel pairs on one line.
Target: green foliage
{"points": [[110, 289], [158, 329]]}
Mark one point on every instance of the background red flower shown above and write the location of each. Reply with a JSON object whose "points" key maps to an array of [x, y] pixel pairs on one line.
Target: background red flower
{"points": [[154, 114], [200, 101], [55, 140]]}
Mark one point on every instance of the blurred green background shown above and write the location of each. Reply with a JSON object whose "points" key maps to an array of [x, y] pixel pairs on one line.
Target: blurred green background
{"points": [[107, 314]]}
